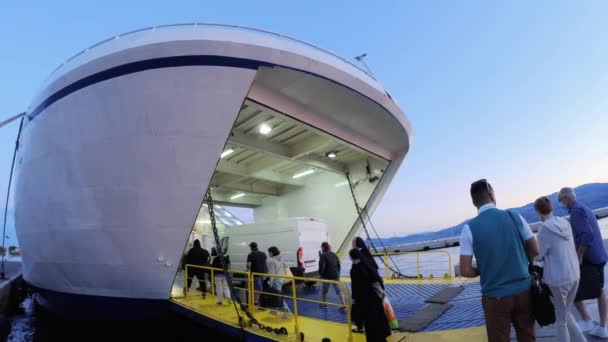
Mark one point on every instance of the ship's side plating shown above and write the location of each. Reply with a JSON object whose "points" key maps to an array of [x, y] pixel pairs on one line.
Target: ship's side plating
{"points": [[120, 146]]}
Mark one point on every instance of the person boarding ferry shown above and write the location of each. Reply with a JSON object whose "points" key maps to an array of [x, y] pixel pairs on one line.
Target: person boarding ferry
{"points": [[592, 259], [496, 238]]}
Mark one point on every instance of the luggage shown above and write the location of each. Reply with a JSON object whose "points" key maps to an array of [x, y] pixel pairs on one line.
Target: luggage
{"points": [[268, 299]]}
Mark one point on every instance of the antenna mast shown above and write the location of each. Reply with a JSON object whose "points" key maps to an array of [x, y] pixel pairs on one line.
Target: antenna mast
{"points": [[361, 60]]}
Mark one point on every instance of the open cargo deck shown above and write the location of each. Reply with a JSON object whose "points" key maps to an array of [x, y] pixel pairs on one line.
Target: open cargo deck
{"points": [[463, 321]]}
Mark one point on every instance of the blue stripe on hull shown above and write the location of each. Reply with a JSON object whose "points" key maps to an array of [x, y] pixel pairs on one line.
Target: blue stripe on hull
{"points": [[148, 64]]}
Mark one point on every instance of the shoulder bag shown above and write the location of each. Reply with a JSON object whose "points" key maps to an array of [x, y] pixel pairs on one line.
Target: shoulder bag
{"points": [[540, 294]]}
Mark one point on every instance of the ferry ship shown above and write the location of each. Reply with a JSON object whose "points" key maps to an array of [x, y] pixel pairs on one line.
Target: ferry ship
{"points": [[119, 147]]}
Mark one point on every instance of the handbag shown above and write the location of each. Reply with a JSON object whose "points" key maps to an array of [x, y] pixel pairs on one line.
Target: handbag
{"points": [[540, 294], [378, 290], [288, 274]]}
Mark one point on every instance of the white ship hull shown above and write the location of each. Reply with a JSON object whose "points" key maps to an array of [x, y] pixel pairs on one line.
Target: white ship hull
{"points": [[119, 148]]}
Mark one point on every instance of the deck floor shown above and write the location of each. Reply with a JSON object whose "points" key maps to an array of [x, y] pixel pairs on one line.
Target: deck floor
{"points": [[313, 329], [464, 321], [407, 296]]}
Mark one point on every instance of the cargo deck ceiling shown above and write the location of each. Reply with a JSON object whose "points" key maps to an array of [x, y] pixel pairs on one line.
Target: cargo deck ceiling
{"points": [[267, 151]]}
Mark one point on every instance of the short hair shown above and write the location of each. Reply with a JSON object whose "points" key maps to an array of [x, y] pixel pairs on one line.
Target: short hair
{"points": [[274, 251], [480, 191], [325, 246], [567, 192], [543, 205]]}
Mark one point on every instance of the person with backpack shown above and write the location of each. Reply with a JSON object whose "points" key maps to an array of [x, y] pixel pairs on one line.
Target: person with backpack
{"points": [[200, 257], [221, 285], [329, 269]]}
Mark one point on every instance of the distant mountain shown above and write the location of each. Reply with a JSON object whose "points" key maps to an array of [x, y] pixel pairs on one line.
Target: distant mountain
{"points": [[594, 195]]}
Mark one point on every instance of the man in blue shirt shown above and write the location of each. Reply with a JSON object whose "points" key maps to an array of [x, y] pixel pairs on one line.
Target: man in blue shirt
{"points": [[592, 258], [502, 244]]}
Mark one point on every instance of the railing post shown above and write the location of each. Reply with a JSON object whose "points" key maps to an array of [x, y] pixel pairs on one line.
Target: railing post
{"points": [[186, 281], [295, 307], [449, 265], [250, 288], [386, 268], [213, 291], [418, 276], [348, 312]]}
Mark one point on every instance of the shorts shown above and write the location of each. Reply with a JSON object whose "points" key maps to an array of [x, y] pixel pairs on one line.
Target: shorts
{"points": [[592, 281], [337, 288], [258, 283]]}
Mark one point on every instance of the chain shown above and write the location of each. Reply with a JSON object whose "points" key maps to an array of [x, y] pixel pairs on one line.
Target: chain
{"points": [[360, 217], [220, 254]]}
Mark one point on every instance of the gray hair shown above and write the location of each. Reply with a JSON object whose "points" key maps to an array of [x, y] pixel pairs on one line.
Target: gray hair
{"points": [[567, 192]]}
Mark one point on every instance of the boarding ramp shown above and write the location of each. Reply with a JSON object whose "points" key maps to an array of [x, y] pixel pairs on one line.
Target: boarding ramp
{"points": [[249, 318], [408, 297]]}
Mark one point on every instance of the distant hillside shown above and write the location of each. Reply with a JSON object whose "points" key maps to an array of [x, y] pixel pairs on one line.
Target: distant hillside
{"points": [[594, 195]]}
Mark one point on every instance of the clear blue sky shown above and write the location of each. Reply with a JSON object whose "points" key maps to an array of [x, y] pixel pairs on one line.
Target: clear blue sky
{"points": [[514, 92]]}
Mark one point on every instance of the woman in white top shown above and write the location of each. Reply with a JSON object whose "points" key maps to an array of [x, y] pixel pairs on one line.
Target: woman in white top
{"points": [[276, 265], [561, 268]]}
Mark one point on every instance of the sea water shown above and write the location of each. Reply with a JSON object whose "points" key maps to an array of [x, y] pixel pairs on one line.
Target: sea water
{"points": [[432, 263]]}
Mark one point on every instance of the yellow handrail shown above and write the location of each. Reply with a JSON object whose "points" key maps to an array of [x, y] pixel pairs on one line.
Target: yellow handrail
{"points": [[293, 280], [212, 280], [249, 276], [386, 257]]}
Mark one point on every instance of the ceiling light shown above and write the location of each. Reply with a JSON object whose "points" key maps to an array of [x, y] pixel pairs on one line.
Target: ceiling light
{"points": [[302, 174], [331, 154], [337, 185], [265, 129], [237, 196], [226, 153]]}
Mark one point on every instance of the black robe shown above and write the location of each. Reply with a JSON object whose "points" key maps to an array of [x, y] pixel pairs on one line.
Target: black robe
{"points": [[373, 317]]}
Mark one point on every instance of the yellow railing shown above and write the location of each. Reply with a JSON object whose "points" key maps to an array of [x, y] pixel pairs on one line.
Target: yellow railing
{"points": [[422, 264], [211, 274], [251, 292]]}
